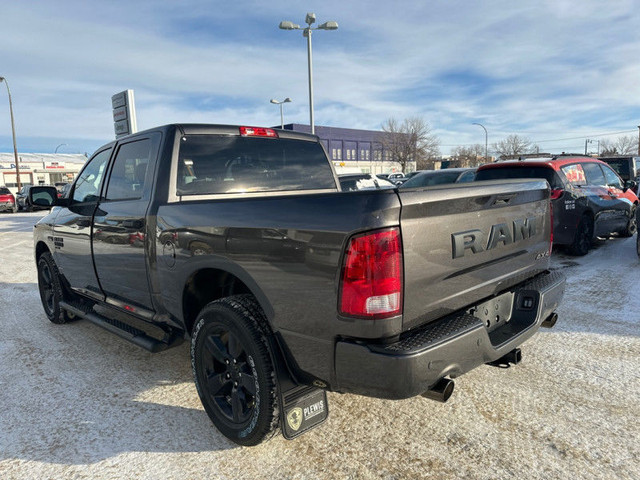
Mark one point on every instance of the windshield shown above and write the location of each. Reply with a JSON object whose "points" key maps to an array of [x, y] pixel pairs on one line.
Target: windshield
{"points": [[620, 165], [520, 172], [431, 178], [215, 164]]}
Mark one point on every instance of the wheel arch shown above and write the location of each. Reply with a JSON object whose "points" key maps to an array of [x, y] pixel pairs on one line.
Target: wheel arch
{"points": [[208, 284], [41, 247]]}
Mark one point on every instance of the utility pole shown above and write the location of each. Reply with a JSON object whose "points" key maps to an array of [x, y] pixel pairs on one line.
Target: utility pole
{"points": [[638, 139]]}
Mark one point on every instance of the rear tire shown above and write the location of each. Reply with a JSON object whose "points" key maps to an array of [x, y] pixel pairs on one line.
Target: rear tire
{"points": [[51, 291], [583, 237], [233, 370]]}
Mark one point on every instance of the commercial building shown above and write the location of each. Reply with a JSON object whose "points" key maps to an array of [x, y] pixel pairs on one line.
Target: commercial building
{"points": [[353, 150], [40, 168]]}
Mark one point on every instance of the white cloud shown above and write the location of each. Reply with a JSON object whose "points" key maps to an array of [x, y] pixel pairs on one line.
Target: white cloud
{"points": [[553, 66]]}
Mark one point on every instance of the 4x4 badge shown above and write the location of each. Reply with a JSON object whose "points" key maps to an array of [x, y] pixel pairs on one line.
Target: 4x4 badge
{"points": [[294, 418]]}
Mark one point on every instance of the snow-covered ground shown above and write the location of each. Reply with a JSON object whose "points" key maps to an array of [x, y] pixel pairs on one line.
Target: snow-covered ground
{"points": [[78, 402]]}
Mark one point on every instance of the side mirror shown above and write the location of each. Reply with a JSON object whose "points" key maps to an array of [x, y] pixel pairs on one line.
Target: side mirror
{"points": [[43, 196], [629, 185]]}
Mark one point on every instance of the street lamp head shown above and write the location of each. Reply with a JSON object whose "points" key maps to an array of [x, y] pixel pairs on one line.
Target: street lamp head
{"points": [[286, 100], [329, 26], [2, 79], [287, 25], [273, 100], [310, 19]]}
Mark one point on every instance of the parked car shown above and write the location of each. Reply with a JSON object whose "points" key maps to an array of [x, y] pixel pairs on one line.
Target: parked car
{"points": [[428, 178], [627, 166], [23, 201], [64, 190], [7, 201], [588, 197], [363, 181], [395, 178]]}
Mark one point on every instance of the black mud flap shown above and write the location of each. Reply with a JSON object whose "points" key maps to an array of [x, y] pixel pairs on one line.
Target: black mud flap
{"points": [[304, 407]]}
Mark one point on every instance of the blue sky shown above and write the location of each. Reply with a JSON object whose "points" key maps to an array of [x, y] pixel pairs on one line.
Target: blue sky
{"points": [[555, 71]]}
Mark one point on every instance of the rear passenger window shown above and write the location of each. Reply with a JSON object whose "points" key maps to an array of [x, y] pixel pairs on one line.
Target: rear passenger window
{"points": [[575, 174], [594, 175], [129, 171]]}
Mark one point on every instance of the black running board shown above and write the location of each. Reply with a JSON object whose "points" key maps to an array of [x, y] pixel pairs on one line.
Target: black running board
{"points": [[123, 330]]}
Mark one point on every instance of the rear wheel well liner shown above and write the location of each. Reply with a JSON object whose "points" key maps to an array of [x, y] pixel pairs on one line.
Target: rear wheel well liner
{"points": [[209, 284]]}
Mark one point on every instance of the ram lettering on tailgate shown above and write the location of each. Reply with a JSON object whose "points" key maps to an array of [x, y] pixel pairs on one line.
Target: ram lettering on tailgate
{"points": [[500, 233]]}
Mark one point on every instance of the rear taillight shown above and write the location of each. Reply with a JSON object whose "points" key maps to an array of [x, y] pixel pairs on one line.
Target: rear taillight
{"points": [[371, 280], [258, 132], [556, 193]]}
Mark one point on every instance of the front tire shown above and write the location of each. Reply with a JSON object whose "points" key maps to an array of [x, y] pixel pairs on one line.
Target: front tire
{"points": [[632, 224], [51, 292], [233, 370], [583, 237]]}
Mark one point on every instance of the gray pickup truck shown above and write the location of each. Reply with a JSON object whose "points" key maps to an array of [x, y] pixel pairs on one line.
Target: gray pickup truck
{"points": [[241, 239]]}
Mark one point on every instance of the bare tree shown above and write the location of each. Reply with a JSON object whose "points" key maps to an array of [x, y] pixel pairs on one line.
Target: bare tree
{"points": [[512, 146], [468, 156], [625, 145], [410, 140]]}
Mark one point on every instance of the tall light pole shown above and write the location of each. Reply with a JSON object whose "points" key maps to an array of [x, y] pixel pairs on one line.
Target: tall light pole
{"points": [[486, 141], [276, 102], [13, 132], [56, 150], [310, 19]]}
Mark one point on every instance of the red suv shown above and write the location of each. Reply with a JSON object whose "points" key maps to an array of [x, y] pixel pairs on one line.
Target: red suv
{"points": [[588, 197], [7, 201]]}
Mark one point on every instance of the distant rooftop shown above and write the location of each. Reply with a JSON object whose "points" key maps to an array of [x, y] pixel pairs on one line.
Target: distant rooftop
{"points": [[8, 158]]}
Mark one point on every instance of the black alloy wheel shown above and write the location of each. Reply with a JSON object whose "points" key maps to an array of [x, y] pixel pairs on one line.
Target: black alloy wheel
{"points": [[51, 292], [632, 224], [583, 237], [233, 370]]}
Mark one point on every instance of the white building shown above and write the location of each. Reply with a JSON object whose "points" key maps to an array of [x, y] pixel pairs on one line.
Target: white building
{"points": [[40, 168]]}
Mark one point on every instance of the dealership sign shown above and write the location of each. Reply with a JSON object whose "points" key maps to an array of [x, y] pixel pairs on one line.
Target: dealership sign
{"points": [[54, 165], [124, 113]]}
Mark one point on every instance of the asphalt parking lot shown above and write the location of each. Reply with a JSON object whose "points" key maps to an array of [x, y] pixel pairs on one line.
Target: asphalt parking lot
{"points": [[78, 402]]}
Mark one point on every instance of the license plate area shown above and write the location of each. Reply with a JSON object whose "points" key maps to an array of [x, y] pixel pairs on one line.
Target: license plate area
{"points": [[495, 312]]}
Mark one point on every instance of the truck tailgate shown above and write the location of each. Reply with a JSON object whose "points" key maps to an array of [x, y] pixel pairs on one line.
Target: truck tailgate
{"points": [[466, 242]]}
